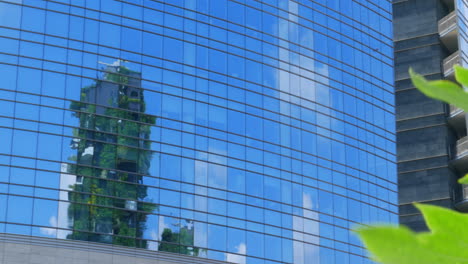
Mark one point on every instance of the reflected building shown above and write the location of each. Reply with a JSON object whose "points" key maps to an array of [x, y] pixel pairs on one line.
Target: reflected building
{"points": [[113, 154], [207, 131]]}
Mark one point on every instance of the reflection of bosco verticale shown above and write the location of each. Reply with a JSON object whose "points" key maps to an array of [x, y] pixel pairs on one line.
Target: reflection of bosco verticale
{"points": [[112, 155]]}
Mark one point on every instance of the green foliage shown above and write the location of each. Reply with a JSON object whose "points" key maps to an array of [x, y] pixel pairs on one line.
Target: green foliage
{"points": [[112, 152], [463, 180], [461, 75], [447, 240], [445, 244], [178, 242], [444, 90], [101, 205]]}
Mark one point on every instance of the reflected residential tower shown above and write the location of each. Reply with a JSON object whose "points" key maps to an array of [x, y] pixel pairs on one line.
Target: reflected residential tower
{"points": [[113, 154], [198, 131]]}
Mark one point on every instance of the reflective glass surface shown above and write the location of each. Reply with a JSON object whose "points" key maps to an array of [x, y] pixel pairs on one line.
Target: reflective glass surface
{"points": [[462, 21], [243, 131]]}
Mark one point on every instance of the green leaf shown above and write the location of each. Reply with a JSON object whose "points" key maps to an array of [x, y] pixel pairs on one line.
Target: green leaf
{"points": [[463, 180], [446, 91], [443, 220], [445, 244], [461, 75]]}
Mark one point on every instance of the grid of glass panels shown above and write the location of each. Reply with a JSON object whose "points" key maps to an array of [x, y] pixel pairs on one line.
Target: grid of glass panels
{"points": [[236, 130], [462, 21]]}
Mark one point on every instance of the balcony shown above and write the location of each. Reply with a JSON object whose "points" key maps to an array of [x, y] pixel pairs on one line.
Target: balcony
{"points": [[460, 199], [456, 119], [449, 3], [448, 31], [459, 154], [449, 62]]}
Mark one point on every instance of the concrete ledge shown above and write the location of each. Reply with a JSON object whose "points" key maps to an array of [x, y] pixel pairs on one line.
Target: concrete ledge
{"points": [[20, 249]]}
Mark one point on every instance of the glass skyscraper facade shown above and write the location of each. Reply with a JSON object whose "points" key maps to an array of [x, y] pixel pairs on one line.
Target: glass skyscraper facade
{"points": [[243, 131], [462, 24]]}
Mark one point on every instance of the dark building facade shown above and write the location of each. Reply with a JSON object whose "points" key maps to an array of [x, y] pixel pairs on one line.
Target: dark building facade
{"points": [[430, 37], [195, 131]]}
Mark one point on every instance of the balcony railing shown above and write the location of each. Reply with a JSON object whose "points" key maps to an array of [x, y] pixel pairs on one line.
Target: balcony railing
{"points": [[448, 31], [456, 119], [448, 23], [460, 197], [451, 61], [459, 151], [455, 110]]}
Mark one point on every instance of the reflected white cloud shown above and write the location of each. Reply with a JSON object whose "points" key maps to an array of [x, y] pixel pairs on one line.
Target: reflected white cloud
{"points": [[162, 226], [50, 231], [298, 248], [241, 249], [307, 201], [201, 172], [152, 245], [66, 181], [293, 11], [154, 235], [322, 69]]}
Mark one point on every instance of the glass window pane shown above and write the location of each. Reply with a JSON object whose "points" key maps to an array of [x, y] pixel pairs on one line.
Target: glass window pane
{"points": [[19, 210]]}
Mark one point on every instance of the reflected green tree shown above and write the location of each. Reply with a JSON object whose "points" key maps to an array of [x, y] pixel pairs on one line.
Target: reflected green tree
{"points": [[179, 242], [112, 144], [109, 202]]}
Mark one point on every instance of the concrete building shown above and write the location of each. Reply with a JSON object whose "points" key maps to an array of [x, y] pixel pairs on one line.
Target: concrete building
{"points": [[194, 131], [430, 37]]}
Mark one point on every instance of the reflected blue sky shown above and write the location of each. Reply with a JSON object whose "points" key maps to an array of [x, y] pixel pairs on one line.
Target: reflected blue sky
{"points": [[243, 131]]}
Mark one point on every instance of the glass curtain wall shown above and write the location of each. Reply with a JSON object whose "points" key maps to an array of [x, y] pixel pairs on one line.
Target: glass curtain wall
{"points": [[462, 21], [236, 130]]}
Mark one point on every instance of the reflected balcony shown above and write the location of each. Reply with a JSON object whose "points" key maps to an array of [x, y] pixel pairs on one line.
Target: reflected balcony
{"points": [[449, 62], [459, 154], [448, 31]]}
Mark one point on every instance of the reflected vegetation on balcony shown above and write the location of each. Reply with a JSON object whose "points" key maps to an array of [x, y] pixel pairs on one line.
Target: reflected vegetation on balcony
{"points": [[109, 202]]}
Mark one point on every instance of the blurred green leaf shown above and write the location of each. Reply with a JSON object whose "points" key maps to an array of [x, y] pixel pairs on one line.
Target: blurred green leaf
{"points": [[446, 91], [446, 243], [461, 75], [463, 180], [447, 240]]}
